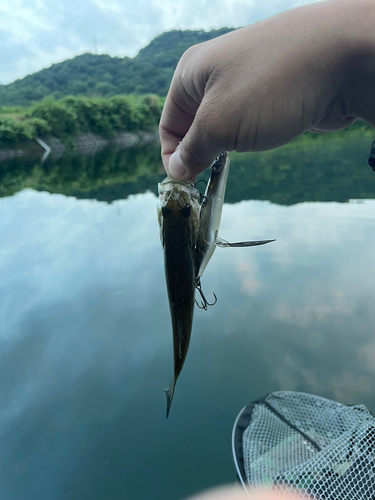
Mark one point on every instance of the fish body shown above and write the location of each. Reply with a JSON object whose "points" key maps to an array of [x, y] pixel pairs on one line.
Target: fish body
{"points": [[178, 215], [211, 209]]}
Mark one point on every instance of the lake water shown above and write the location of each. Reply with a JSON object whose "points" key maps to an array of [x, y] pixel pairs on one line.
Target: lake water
{"points": [[86, 343]]}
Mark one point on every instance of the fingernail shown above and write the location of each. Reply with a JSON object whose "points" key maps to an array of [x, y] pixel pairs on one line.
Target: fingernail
{"points": [[176, 168]]}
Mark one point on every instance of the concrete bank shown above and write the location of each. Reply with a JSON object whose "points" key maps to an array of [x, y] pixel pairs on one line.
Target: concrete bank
{"points": [[84, 143]]}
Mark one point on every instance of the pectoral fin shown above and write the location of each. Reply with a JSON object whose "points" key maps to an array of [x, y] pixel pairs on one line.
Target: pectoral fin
{"points": [[225, 244]]}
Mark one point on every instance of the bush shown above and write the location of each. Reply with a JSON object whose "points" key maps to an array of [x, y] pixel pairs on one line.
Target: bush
{"points": [[12, 131], [70, 116], [40, 126], [61, 119]]}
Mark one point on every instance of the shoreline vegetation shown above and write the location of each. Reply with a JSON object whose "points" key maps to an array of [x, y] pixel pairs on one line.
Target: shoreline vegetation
{"points": [[73, 121], [78, 122]]}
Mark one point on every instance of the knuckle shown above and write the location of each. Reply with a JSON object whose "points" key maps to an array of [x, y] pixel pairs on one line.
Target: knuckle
{"points": [[187, 59]]}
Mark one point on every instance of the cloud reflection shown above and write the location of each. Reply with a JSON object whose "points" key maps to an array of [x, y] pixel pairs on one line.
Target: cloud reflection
{"points": [[86, 343]]}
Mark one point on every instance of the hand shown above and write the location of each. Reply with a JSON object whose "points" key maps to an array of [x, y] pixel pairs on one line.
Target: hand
{"points": [[261, 86]]}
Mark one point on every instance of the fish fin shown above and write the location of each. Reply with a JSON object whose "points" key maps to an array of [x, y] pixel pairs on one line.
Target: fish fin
{"points": [[169, 393], [225, 244]]}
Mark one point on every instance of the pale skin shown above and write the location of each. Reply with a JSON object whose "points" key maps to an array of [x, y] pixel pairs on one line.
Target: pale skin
{"points": [[259, 87], [237, 493]]}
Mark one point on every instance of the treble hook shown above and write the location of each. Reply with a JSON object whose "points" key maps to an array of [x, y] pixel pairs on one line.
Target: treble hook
{"points": [[200, 180], [204, 303]]}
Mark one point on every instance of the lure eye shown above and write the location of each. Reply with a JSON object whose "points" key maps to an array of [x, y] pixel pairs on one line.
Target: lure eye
{"points": [[165, 211], [218, 163]]}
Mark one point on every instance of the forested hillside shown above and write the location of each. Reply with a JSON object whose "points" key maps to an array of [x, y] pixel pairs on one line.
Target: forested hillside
{"points": [[100, 75]]}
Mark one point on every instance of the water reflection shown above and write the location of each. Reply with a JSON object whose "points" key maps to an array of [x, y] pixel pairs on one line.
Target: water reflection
{"points": [[110, 174], [312, 171], [86, 344]]}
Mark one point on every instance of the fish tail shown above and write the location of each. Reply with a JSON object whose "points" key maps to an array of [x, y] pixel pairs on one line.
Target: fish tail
{"points": [[169, 393]]}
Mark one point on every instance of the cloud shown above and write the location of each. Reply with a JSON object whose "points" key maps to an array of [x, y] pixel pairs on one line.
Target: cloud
{"points": [[33, 36]]}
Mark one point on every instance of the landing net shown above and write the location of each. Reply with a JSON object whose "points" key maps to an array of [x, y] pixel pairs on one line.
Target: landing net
{"points": [[320, 448]]}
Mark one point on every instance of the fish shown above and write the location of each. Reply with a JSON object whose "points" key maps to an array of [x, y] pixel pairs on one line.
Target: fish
{"points": [[178, 216]]}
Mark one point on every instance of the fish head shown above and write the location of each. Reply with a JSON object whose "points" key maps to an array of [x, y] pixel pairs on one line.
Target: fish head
{"points": [[178, 204]]}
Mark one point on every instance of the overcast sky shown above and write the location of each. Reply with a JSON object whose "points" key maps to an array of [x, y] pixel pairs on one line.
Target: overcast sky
{"points": [[36, 33]]}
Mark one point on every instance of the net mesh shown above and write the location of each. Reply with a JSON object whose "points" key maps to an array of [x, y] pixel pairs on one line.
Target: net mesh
{"points": [[321, 448]]}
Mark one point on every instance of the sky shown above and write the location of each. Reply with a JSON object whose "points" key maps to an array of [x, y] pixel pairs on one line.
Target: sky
{"points": [[37, 33]]}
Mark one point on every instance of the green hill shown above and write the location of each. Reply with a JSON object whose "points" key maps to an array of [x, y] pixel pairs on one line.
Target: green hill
{"points": [[100, 75]]}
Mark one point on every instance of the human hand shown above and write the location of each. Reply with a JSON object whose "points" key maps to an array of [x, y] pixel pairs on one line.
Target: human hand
{"points": [[261, 86], [237, 493]]}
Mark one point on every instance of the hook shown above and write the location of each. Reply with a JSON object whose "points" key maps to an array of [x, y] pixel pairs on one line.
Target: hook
{"points": [[202, 198], [200, 180], [204, 201], [204, 302]]}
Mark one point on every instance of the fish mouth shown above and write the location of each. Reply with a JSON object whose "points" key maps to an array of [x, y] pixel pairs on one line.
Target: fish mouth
{"points": [[172, 189], [169, 180]]}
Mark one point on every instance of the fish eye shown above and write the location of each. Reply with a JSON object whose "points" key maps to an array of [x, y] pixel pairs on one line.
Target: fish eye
{"points": [[165, 211]]}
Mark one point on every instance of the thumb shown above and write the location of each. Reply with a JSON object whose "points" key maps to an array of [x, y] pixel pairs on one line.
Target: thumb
{"points": [[197, 150]]}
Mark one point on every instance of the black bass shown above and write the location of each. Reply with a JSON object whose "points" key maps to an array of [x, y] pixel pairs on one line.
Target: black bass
{"points": [[178, 215]]}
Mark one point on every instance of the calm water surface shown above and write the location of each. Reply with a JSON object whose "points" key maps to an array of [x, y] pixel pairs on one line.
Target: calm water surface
{"points": [[86, 344]]}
